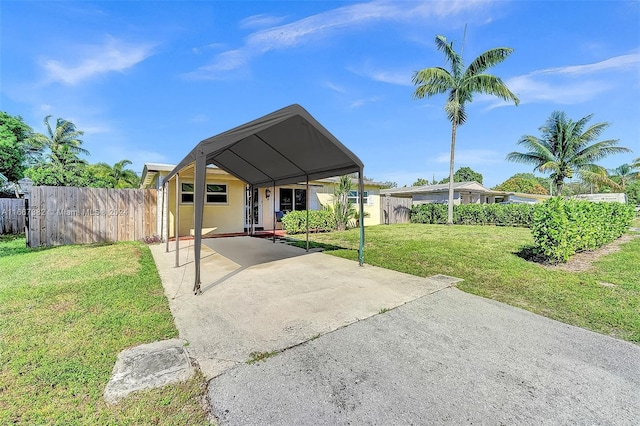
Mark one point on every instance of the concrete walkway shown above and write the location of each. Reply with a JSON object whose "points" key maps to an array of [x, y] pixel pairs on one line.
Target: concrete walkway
{"points": [[448, 358], [260, 297]]}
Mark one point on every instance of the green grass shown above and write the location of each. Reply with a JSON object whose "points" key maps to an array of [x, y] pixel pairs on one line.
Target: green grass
{"points": [[486, 257], [65, 314]]}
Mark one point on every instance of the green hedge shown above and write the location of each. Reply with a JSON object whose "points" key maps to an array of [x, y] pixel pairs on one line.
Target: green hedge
{"points": [[319, 221], [564, 227], [475, 214]]}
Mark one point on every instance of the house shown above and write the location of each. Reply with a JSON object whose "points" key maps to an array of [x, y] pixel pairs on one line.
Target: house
{"points": [[227, 204], [463, 193]]}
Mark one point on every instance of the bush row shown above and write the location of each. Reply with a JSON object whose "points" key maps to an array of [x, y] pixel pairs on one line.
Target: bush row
{"points": [[564, 227], [475, 214], [295, 222]]}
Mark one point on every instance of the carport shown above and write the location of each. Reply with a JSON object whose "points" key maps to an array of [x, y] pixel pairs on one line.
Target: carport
{"points": [[284, 147]]}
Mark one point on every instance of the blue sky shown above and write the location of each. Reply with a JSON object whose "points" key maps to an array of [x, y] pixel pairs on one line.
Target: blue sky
{"points": [[147, 80]]}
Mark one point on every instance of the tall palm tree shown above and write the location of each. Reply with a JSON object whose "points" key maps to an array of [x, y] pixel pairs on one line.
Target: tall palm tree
{"points": [[461, 84], [116, 176], [567, 147], [64, 141]]}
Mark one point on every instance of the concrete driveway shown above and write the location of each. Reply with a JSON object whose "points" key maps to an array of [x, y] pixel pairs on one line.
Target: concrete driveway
{"points": [[446, 358], [260, 297]]}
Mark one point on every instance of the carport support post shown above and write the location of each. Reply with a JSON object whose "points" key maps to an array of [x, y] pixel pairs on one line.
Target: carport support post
{"points": [[176, 219], [198, 212], [307, 201], [273, 195], [361, 199], [165, 209]]}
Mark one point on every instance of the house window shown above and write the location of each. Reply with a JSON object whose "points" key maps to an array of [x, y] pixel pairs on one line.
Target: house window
{"points": [[186, 193], [353, 197], [216, 193], [292, 199]]}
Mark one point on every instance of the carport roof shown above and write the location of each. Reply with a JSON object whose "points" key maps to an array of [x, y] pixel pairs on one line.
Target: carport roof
{"points": [[286, 146]]}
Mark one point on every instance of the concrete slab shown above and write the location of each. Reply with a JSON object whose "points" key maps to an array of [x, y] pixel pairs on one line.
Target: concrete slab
{"points": [[449, 358], [148, 366], [264, 297]]}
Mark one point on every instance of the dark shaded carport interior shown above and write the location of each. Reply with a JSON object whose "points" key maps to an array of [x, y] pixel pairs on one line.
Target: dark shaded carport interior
{"points": [[285, 147]]}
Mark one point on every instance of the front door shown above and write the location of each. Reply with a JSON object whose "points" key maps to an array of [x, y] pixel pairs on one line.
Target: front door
{"points": [[257, 209]]}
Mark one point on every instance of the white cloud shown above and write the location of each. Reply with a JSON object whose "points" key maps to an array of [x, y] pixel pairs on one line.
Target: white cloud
{"points": [[325, 24], [568, 85], [260, 20], [335, 87], [111, 56], [467, 157], [398, 77], [359, 102]]}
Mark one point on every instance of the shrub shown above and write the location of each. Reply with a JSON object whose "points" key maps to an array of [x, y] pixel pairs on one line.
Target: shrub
{"points": [[475, 214], [564, 227], [295, 222]]}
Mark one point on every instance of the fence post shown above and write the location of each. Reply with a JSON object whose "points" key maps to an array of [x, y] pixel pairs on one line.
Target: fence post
{"points": [[26, 185]]}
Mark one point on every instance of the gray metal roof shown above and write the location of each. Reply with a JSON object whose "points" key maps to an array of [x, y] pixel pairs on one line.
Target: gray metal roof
{"points": [[286, 146]]}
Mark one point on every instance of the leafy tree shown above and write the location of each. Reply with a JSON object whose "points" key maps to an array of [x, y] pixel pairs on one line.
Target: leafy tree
{"points": [[624, 174], [420, 182], [461, 84], [116, 176], [566, 147], [388, 184], [464, 174], [68, 172], [633, 192], [15, 146], [524, 185]]}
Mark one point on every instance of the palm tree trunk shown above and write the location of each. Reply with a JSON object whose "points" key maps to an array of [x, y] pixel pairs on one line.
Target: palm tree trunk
{"points": [[453, 149]]}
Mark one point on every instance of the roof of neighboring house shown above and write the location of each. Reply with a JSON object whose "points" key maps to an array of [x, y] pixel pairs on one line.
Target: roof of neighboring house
{"points": [[442, 187], [151, 170]]}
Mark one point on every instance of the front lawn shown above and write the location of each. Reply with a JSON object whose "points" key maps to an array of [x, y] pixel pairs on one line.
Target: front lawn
{"points": [[65, 314], [605, 298]]}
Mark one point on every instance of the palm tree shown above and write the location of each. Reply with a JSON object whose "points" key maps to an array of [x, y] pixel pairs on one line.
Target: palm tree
{"points": [[64, 141], [625, 173], [116, 176], [567, 147], [461, 84]]}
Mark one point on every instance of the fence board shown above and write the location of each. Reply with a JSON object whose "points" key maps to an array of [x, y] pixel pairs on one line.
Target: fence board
{"points": [[64, 215], [12, 215], [395, 209]]}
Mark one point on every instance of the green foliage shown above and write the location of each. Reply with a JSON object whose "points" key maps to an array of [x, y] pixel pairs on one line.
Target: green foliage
{"points": [[343, 208], [420, 182], [633, 193], [15, 146], [295, 222], [519, 184], [464, 174], [475, 214], [388, 184], [567, 147], [562, 227]]}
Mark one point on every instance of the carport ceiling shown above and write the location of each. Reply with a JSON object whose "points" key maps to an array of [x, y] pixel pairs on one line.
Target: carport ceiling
{"points": [[284, 147]]}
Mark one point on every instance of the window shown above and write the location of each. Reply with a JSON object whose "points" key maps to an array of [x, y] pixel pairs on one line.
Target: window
{"points": [[353, 197], [187, 193], [292, 199], [216, 193]]}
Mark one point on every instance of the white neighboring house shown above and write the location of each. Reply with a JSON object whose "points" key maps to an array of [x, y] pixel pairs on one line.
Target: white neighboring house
{"points": [[611, 198], [463, 193]]}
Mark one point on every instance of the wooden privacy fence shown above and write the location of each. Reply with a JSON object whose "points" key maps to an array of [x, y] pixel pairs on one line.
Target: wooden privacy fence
{"points": [[66, 215], [12, 215], [395, 209]]}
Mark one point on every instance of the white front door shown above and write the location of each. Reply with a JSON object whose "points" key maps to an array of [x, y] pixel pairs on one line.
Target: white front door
{"points": [[257, 209]]}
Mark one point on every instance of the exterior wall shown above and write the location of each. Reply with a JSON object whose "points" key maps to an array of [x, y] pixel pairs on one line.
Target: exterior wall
{"points": [[372, 207], [435, 197]]}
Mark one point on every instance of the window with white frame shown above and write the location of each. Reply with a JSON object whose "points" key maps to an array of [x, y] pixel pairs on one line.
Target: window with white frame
{"points": [[216, 193], [353, 197]]}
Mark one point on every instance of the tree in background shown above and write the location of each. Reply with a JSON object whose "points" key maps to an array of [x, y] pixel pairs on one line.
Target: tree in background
{"points": [[420, 182], [461, 84], [524, 185], [633, 192], [566, 147], [624, 174], [388, 184], [16, 146], [116, 176], [464, 174]]}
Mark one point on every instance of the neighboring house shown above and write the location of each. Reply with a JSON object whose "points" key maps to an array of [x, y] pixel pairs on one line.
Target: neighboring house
{"points": [[463, 193], [227, 203]]}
